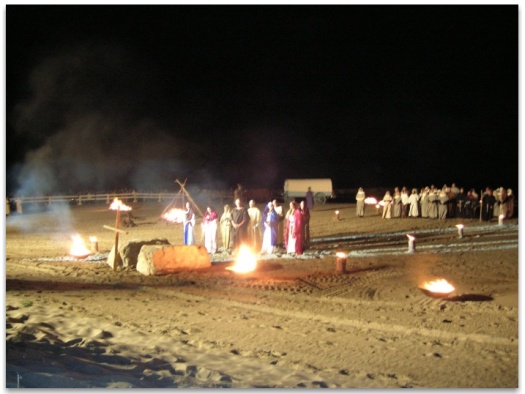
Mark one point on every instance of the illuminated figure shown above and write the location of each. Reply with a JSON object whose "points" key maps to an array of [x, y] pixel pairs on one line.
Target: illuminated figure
{"points": [[209, 228], [226, 228], [360, 205], [270, 221], [293, 235], [188, 225]]}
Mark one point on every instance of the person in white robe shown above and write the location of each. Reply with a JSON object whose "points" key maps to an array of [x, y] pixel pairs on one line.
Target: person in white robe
{"points": [[387, 201], [413, 200], [360, 204], [254, 228]]}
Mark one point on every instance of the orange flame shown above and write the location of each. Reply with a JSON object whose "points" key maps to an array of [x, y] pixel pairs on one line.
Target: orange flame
{"points": [[117, 204], [438, 286], [79, 249], [175, 215], [246, 261]]}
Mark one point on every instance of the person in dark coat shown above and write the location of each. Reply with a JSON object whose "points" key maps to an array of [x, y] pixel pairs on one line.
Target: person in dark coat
{"points": [[487, 205]]}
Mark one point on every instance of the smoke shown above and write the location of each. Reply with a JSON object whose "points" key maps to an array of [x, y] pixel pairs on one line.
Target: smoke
{"points": [[89, 119]]}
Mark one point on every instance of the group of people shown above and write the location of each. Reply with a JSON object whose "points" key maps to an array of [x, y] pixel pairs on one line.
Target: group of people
{"points": [[263, 231], [447, 202]]}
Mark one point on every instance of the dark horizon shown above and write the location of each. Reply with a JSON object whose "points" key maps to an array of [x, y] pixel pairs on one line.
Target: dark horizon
{"points": [[106, 97]]}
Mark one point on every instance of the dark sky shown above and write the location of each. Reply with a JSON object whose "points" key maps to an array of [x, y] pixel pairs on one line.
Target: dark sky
{"points": [[104, 97]]}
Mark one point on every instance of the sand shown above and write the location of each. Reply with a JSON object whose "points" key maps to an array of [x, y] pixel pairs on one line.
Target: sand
{"points": [[295, 322]]}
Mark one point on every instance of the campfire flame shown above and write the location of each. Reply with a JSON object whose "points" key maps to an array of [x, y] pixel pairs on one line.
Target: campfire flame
{"points": [[371, 200], [341, 255], [175, 215], [117, 204], [246, 261], [78, 249], [438, 286]]}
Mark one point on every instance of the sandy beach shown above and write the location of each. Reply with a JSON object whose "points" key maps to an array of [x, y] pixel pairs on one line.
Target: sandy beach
{"points": [[295, 322]]}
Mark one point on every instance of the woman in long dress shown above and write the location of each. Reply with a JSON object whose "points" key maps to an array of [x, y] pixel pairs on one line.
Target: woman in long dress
{"points": [[360, 203], [396, 203], [270, 221], [413, 200], [189, 224], [293, 235], [209, 227], [387, 207], [226, 228], [442, 206]]}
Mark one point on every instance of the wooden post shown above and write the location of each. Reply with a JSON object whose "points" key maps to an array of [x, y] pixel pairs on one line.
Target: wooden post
{"points": [[117, 224], [188, 195]]}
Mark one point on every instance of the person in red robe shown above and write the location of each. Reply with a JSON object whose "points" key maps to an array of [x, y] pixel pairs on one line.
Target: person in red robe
{"points": [[293, 234]]}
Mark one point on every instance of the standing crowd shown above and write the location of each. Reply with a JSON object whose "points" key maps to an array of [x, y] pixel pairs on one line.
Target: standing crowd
{"points": [[275, 228], [264, 231], [444, 203]]}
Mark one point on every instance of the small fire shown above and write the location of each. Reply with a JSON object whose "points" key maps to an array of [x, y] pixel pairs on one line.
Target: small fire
{"points": [[438, 286], [175, 215], [117, 204], [371, 200], [78, 249], [341, 255], [246, 261]]}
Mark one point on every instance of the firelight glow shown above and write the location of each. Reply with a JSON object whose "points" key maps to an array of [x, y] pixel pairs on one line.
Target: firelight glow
{"points": [[245, 262], [118, 204], [438, 286], [174, 215], [371, 200], [78, 249]]}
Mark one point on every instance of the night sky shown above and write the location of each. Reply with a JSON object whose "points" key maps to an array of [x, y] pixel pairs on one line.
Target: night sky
{"points": [[130, 96]]}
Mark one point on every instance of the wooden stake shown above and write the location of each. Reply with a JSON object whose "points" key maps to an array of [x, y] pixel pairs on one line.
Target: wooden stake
{"points": [[117, 231], [188, 195]]}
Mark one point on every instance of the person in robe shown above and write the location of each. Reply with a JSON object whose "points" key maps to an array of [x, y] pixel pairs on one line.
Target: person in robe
{"points": [[423, 201], [452, 193], [433, 203], [413, 202], [188, 225], [309, 197], [510, 196], [240, 222], [270, 221], [293, 235], [209, 228], [396, 203], [280, 229], [387, 201], [360, 204], [404, 203], [461, 200], [305, 221], [254, 227], [226, 228], [442, 204], [503, 203], [487, 205]]}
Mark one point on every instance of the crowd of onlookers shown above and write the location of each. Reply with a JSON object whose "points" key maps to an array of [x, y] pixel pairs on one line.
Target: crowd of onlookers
{"points": [[447, 202]]}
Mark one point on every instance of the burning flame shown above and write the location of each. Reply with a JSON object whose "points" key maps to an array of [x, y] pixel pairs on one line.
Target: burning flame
{"points": [[246, 261], [410, 237], [79, 249], [371, 200], [438, 286], [459, 226], [175, 215], [117, 204], [341, 255]]}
